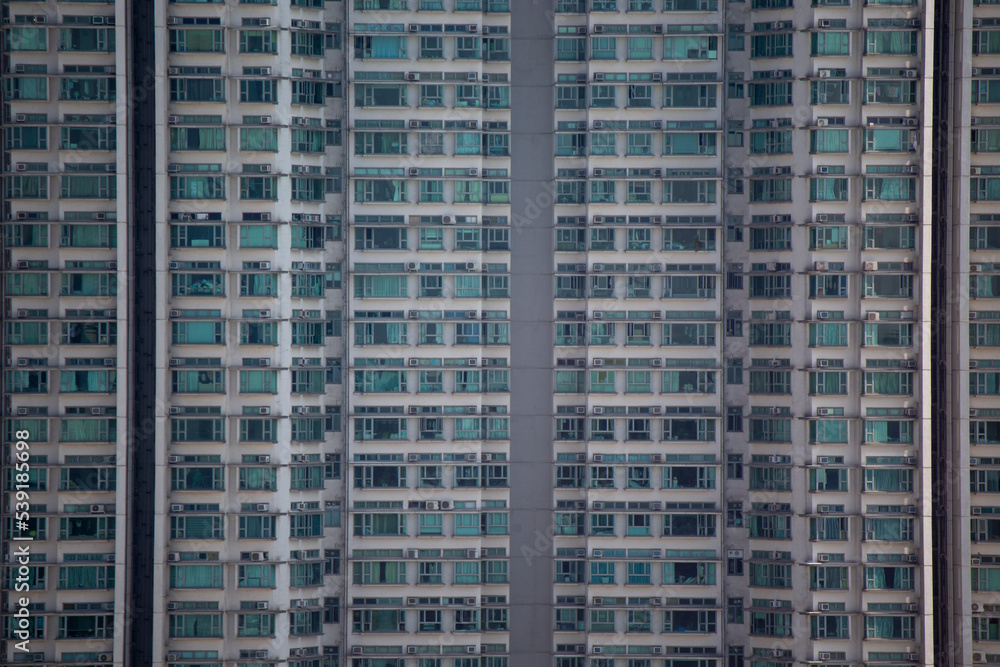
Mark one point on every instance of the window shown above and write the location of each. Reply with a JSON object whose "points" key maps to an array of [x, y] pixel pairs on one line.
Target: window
{"points": [[770, 624], [571, 49], [689, 192], [468, 48], [828, 238], [771, 45], [904, 627], [602, 97], [827, 626], [431, 47], [37, 138], [195, 625], [36, 88], [571, 144], [380, 95], [431, 95], [690, 47], [769, 93], [683, 620], [258, 41], [891, 189], [896, 91], [888, 577], [189, 40], [828, 189], [88, 187], [689, 143], [770, 479], [771, 575], [689, 96], [195, 90], [640, 48], [92, 577], [33, 39], [830, 43], [603, 48], [891, 42], [640, 144]]}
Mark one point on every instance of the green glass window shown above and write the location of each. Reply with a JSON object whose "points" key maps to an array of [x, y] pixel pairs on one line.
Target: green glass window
{"points": [[25, 39], [87, 39], [200, 40]]}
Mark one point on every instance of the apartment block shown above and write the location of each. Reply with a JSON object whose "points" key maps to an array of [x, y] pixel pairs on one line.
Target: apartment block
{"points": [[496, 333]]}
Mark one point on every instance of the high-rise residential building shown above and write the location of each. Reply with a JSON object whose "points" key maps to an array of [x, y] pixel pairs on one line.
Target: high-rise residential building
{"points": [[500, 333]]}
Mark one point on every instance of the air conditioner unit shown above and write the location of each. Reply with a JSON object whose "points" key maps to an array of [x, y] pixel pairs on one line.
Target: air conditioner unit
{"points": [[823, 363], [263, 507], [264, 458], [177, 508], [977, 510], [821, 266], [174, 459], [822, 170], [598, 458], [871, 266], [825, 656], [598, 411], [264, 411], [872, 317], [912, 122], [447, 505], [357, 650], [974, 461]]}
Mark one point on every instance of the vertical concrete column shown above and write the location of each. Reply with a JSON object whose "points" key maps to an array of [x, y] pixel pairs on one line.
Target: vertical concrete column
{"points": [[532, 331]]}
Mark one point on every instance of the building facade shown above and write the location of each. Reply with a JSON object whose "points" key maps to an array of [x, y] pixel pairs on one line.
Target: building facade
{"points": [[478, 333]]}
